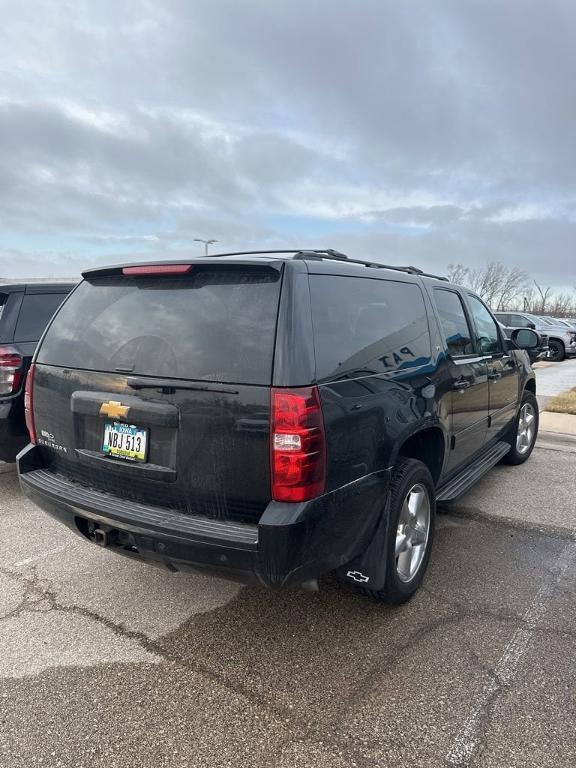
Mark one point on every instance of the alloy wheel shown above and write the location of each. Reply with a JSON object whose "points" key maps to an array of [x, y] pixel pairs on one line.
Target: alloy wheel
{"points": [[526, 424], [412, 532]]}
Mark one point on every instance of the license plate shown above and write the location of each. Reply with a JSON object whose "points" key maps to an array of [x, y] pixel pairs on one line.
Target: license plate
{"points": [[125, 441]]}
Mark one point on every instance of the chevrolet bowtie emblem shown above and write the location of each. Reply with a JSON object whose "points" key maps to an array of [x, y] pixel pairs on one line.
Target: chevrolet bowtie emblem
{"points": [[114, 410]]}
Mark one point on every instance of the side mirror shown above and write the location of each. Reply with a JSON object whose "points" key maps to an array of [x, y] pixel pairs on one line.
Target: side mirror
{"points": [[531, 325], [524, 338]]}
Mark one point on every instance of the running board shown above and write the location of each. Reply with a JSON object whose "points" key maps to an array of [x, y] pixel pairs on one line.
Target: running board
{"points": [[472, 473]]}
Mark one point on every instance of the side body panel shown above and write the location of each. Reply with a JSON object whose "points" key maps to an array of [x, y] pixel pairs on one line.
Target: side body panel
{"points": [[367, 416], [503, 377], [468, 398], [469, 410]]}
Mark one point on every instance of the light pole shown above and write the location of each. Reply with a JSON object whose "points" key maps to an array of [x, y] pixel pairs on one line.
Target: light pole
{"points": [[207, 243]]}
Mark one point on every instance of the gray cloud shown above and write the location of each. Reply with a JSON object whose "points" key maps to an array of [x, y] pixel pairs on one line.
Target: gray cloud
{"points": [[433, 132]]}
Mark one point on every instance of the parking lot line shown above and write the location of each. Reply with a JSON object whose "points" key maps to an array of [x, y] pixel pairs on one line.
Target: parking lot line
{"points": [[467, 742], [44, 555]]}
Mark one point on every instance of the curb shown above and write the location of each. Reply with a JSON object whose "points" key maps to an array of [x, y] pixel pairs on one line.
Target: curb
{"points": [[556, 441]]}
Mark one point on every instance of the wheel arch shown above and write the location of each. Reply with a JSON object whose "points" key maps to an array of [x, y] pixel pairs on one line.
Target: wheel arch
{"points": [[558, 340], [428, 445]]}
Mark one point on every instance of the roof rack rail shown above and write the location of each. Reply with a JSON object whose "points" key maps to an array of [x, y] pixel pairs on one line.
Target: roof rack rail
{"points": [[330, 253]]}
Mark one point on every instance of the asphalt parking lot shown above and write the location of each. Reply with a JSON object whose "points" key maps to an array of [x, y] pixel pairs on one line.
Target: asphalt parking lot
{"points": [[108, 662]]}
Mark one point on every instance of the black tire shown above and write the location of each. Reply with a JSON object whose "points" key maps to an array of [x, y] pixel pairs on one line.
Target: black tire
{"points": [[407, 474], [557, 349], [516, 456]]}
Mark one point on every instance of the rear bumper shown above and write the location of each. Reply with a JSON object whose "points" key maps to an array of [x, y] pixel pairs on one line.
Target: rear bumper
{"points": [[13, 434], [291, 544]]}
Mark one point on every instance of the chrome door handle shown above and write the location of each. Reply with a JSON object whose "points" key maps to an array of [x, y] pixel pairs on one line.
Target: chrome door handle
{"points": [[461, 385], [493, 375]]}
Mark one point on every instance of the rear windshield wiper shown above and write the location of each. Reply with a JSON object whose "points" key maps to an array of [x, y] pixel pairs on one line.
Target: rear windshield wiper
{"points": [[170, 385]]}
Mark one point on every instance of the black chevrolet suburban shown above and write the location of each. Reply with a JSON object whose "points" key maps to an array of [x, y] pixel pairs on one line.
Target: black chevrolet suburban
{"points": [[25, 309], [272, 416]]}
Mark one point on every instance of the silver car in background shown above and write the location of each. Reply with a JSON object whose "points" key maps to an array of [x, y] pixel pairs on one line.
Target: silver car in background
{"points": [[561, 339]]}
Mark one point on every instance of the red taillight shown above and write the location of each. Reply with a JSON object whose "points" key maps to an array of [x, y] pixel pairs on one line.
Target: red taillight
{"points": [[10, 370], [158, 269], [29, 404], [297, 445]]}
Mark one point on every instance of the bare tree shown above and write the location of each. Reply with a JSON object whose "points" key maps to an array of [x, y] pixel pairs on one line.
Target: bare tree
{"points": [[544, 294], [507, 288], [497, 284], [562, 305], [458, 273], [514, 281], [528, 300], [485, 280]]}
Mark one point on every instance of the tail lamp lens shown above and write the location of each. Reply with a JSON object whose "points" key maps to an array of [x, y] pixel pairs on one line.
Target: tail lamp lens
{"points": [[29, 404], [298, 446], [10, 370]]}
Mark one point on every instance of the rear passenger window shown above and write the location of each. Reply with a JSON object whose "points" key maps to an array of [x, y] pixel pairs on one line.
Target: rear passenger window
{"points": [[35, 312], [3, 298], [365, 326], [455, 326]]}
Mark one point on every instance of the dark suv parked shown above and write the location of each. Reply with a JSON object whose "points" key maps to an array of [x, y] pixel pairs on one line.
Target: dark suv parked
{"points": [[272, 415], [25, 309]]}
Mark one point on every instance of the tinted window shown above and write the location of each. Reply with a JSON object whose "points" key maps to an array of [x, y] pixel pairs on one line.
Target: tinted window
{"points": [[364, 326], [3, 298], [519, 321], [454, 323], [216, 324], [502, 318], [486, 328], [35, 312]]}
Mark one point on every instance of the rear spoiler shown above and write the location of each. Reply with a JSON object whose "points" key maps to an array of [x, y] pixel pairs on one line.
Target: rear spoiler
{"points": [[174, 268]]}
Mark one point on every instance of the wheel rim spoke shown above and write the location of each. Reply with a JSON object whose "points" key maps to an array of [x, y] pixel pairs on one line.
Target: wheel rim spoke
{"points": [[405, 513], [405, 563], [401, 543], [415, 501], [418, 537]]}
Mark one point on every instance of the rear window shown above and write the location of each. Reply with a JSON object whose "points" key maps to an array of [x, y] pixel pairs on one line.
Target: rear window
{"points": [[364, 326], [216, 324], [35, 312]]}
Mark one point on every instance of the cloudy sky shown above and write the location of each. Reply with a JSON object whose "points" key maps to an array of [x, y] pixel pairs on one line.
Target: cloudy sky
{"points": [[405, 131]]}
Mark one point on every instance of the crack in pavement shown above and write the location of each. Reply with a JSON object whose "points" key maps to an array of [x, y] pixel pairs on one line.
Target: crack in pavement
{"points": [[300, 729], [39, 594], [516, 621], [472, 737]]}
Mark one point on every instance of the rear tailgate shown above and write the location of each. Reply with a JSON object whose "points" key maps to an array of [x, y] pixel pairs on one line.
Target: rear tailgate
{"points": [[186, 361]]}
